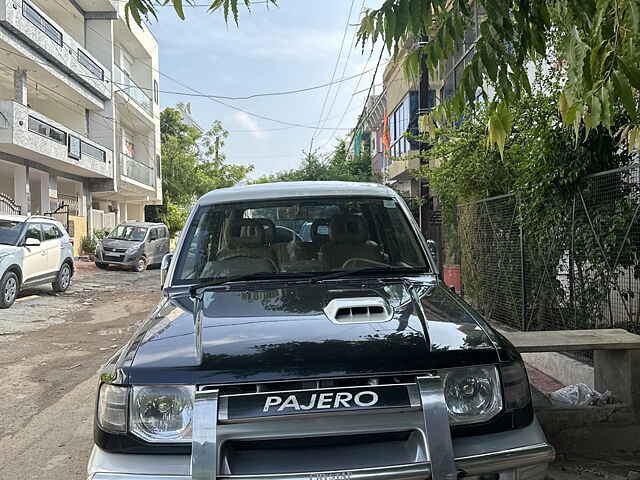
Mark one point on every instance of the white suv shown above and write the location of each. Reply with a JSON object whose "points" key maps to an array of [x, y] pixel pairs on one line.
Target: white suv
{"points": [[33, 251]]}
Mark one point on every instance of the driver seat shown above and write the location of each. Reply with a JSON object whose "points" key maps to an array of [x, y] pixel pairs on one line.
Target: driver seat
{"points": [[246, 251], [348, 239]]}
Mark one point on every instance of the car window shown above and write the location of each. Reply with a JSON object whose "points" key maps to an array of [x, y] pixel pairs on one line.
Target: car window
{"points": [[33, 231], [10, 231], [153, 235], [299, 236], [50, 231], [128, 232]]}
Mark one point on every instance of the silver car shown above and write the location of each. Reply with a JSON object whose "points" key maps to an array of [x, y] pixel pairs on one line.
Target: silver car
{"points": [[133, 245]]}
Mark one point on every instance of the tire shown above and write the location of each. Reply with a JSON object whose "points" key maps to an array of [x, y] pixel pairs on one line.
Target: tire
{"points": [[141, 265], [102, 266], [63, 280], [9, 288]]}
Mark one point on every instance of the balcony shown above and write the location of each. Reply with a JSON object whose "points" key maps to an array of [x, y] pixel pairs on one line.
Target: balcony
{"points": [[132, 169], [125, 85], [403, 169], [28, 134], [38, 31]]}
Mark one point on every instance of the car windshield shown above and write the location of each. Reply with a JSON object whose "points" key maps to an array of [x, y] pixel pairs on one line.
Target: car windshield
{"points": [[293, 236], [10, 231], [128, 232]]}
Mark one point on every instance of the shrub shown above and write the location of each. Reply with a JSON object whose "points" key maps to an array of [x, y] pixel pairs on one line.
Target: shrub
{"points": [[88, 245]]}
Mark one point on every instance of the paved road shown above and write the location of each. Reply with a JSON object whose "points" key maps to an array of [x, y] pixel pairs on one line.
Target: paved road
{"points": [[50, 349]]}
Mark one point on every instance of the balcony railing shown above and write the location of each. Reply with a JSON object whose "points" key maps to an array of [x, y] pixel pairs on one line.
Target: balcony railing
{"points": [[124, 83], [136, 170]]}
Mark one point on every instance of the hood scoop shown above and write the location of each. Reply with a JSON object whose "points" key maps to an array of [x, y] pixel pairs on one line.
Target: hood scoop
{"points": [[358, 310]]}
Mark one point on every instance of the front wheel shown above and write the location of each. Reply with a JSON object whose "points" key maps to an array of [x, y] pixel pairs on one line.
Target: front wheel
{"points": [[9, 287], [63, 280], [141, 265]]}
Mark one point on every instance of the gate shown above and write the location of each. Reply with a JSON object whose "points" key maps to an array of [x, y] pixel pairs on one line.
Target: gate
{"points": [[61, 214], [8, 206]]}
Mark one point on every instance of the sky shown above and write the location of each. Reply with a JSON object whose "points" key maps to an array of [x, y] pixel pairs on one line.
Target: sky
{"points": [[293, 46]]}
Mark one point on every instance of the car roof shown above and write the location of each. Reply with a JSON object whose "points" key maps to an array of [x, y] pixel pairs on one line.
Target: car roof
{"points": [[143, 224], [32, 218], [278, 190]]}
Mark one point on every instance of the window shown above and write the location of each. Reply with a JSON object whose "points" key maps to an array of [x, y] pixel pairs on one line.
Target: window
{"points": [[156, 92], [50, 231], [399, 122], [10, 231], [90, 150], [41, 23], [33, 231], [90, 65], [154, 234], [74, 147], [301, 237], [46, 130]]}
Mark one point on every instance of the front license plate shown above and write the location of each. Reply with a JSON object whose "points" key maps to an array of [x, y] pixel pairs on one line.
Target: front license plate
{"points": [[317, 401]]}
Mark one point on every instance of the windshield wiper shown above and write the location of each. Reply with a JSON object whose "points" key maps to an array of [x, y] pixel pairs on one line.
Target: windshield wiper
{"points": [[193, 290], [369, 271]]}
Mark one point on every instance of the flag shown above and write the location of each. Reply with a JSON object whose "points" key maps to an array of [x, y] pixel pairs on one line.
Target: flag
{"points": [[386, 139]]}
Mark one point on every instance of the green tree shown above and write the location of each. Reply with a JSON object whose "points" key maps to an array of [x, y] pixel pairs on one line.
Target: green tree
{"points": [[597, 43], [192, 164], [336, 166]]}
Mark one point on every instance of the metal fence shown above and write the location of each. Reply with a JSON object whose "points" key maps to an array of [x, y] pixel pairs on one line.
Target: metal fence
{"points": [[576, 266], [8, 206]]}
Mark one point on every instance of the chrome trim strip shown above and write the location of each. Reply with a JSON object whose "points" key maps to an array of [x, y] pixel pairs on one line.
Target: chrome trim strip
{"points": [[492, 462], [437, 429], [204, 450], [276, 392]]}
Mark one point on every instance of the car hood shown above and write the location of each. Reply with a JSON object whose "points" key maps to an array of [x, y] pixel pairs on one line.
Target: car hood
{"points": [[268, 333], [116, 243], [11, 249]]}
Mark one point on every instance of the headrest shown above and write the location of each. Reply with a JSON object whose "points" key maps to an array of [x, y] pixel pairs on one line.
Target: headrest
{"points": [[320, 230], [269, 228], [348, 229], [248, 232]]}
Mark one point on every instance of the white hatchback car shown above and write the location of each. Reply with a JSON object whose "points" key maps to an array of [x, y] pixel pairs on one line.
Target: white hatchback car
{"points": [[33, 251]]}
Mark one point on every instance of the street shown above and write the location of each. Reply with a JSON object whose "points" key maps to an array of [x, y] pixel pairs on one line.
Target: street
{"points": [[51, 349]]}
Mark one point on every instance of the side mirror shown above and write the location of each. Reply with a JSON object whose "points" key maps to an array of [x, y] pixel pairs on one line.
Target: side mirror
{"points": [[32, 242], [164, 268], [432, 246]]}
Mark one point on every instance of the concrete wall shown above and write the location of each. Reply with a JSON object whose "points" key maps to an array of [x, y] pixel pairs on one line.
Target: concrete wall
{"points": [[397, 85]]}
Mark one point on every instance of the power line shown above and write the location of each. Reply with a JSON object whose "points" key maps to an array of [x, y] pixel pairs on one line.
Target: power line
{"points": [[335, 69], [344, 69], [373, 80], [202, 94]]}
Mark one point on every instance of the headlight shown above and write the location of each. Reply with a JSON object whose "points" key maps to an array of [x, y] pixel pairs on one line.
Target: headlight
{"points": [[162, 414], [112, 408], [472, 394]]}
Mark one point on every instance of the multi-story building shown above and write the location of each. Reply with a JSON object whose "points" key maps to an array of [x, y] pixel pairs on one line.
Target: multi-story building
{"points": [[79, 112]]}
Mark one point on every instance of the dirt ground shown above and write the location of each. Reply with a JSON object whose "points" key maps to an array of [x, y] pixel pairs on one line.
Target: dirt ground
{"points": [[50, 349]]}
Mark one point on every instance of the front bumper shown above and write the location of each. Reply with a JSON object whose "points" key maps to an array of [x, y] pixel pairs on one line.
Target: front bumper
{"points": [[124, 260], [522, 454]]}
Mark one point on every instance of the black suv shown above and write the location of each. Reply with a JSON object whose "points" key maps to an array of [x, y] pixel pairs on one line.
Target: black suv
{"points": [[332, 354]]}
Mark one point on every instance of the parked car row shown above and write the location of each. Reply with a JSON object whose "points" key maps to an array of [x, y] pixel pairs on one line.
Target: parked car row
{"points": [[36, 250]]}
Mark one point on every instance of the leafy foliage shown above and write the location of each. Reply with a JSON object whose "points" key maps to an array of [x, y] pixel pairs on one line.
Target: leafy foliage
{"points": [[562, 213], [192, 164], [595, 42], [336, 166], [146, 8]]}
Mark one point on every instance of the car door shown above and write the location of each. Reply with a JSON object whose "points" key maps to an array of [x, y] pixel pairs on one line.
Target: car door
{"points": [[163, 243], [52, 244], [152, 246], [34, 262]]}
